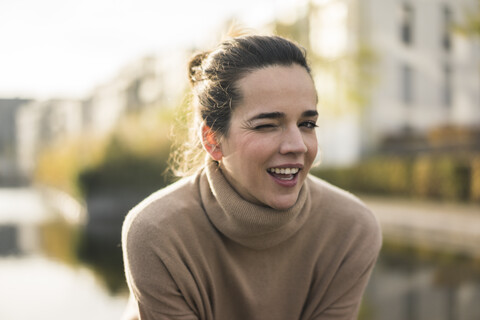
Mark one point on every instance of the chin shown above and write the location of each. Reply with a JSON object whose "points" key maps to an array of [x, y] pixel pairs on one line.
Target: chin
{"points": [[282, 208], [283, 204]]}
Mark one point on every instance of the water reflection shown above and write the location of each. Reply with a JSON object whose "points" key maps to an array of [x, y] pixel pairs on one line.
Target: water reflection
{"points": [[37, 287], [65, 270], [104, 257], [99, 243], [41, 273], [8, 240], [22, 211], [416, 284]]}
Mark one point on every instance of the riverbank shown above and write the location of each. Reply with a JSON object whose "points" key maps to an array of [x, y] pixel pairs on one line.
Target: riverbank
{"points": [[445, 226]]}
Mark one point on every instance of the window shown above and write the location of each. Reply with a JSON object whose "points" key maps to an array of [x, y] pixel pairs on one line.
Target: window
{"points": [[406, 84], [8, 240], [447, 86], [447, 23], [406, 23]]}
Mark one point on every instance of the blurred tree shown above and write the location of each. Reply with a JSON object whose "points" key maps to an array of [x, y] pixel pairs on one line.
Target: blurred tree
{"points": [[135, 157], [133, 166], [349, 74], [470, 26], [59, 164]]}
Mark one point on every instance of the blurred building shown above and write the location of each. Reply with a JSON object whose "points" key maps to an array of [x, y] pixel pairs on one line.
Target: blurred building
{"points": [[40, 123], [425, 85], [23, 211], [28, 126], [149, 82], [428, 92], [9, 171]]}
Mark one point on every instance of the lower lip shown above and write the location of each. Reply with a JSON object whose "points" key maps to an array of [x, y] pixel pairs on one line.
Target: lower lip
{"points": [[286, 183]]}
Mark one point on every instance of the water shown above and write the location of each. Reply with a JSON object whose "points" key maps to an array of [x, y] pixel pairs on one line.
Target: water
{"points": [[53, 269], [41, 274], [36, 287], [417, 284]]}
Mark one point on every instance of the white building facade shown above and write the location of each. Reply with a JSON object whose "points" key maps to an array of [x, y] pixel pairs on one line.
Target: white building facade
{"points": [[9, 170], [429, 76], [146, 83], [40, 123], [425, 75]]}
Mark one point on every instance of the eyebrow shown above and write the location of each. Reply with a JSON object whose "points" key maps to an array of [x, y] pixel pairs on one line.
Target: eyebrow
{"points": [[310, 113], [278, 115]]}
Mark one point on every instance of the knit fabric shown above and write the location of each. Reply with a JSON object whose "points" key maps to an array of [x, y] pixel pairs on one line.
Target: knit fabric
{"points": [[197, 250]]}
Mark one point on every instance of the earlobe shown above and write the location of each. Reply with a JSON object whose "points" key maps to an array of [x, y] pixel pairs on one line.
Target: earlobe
{"points": [[210, 143]]}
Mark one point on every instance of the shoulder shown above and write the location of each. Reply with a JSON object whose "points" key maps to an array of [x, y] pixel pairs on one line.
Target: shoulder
{"points": [[162, 211], [344, 212], [335, 201]]}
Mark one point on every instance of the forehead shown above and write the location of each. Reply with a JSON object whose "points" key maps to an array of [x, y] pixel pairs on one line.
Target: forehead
{"points": [[277, 88]]}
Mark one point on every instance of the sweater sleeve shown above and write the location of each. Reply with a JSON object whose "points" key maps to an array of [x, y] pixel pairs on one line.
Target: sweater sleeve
{"points": [[150, 282], [345, 304], [344, 294]]}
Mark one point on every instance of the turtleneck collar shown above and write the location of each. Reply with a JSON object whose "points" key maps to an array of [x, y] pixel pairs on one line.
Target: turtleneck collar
{"points": [[254, 226]]}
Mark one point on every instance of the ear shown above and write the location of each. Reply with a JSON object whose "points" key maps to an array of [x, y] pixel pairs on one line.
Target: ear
{"points": [[210, 143]]}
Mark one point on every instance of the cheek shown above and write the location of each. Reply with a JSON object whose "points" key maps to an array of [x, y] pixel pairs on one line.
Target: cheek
{"points": [[246, 153], [257, 148], [312, 146]]}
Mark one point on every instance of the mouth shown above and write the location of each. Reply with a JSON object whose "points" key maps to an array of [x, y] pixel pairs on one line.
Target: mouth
{"points": [[284, 174]]}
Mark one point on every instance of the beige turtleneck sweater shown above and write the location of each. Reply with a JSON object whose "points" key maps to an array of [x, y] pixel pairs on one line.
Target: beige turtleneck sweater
{"points": [[197, 250]]}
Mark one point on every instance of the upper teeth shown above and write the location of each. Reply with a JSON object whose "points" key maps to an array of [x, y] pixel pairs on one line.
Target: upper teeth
{"points": [[283, 170]]}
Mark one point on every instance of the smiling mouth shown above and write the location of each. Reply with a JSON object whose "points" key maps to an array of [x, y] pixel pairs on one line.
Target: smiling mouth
{"points": [[283, 173]]}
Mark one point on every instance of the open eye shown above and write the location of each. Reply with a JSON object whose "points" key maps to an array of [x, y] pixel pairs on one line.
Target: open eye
{"points": [[309, 124]]}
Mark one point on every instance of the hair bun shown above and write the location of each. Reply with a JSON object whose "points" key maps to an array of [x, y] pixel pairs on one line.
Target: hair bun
{"points": [[195, 67]]}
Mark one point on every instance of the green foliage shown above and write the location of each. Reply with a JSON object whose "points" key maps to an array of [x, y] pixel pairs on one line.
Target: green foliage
{"points": [[385, 175], [135, 157], [366, 311], [443, 177], [60, 164], [59, 239], [446, 177], [105, 259], [134, 164], [124, 168], [470, 24], [381, 175], [450, 268], [344, 83], [475, 179]]}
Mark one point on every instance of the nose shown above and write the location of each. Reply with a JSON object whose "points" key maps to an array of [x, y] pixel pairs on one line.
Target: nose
{"points": [[293, 142]]}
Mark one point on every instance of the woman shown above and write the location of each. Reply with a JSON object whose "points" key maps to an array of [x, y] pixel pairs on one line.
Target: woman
{"points": [[251, 235]]}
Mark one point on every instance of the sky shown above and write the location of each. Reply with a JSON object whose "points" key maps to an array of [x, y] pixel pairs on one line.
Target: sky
{"points": [[64, 48]]}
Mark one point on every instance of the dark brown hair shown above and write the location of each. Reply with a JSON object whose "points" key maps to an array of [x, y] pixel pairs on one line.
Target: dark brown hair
{"points": [[214, 75]]}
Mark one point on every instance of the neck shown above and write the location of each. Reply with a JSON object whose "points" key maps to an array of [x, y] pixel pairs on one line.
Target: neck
{"points": [[247, 223]]}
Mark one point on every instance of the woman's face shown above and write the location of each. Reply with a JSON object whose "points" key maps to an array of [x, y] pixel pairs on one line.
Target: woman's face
{"points": [[271, 143]]}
